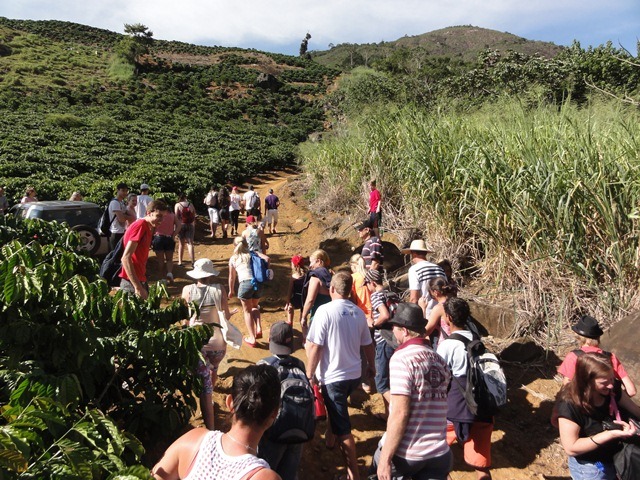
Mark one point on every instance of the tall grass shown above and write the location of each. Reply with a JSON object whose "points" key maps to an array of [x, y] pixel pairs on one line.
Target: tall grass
{"points": [[543, 202]]}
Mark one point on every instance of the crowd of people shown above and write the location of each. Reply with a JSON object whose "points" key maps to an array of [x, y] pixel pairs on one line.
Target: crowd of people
{"points": [[356, 334]]}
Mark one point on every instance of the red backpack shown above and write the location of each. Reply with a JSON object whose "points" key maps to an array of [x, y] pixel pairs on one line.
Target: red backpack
{"points": [[186, 214]]}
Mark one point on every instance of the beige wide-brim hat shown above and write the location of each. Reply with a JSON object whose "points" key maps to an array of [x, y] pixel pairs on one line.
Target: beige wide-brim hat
{"points": [[417, 246], [203, 268]]}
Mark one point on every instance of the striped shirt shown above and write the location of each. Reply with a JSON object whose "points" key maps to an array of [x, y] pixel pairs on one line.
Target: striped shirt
{"points": [[417, 371], [372, 250], [377, 299], [421, 273]]}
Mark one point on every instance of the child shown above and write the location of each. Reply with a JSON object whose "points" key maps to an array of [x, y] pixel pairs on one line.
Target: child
{"points": [[380, 315], [296, 282], [589, 333]]}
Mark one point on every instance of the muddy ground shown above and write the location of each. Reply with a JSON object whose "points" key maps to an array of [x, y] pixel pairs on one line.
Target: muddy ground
{"points": [[525, 446]]}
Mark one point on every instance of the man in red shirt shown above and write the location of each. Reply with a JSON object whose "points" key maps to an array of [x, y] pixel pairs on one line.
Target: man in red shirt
{"points": [[375, 212], [136, 243]]}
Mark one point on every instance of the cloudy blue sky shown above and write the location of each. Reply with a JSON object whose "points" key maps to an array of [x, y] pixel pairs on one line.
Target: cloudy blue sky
{"points": [[279, 25]]}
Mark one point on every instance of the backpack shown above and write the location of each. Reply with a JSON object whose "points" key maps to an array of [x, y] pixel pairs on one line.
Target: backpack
{"points": [[254, 201], [186, 214], [211, 200], [486, 389], [112, 265], [391, 301], [104, 224], [260, 270], [295, 422]]}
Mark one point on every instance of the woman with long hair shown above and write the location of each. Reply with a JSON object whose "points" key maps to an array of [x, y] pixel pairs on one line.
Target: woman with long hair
{"points": [[359, 291], [316, 287], [248, 293], [212, 455], [589, 431], [440, 290], [29, 195], [211, 298]]}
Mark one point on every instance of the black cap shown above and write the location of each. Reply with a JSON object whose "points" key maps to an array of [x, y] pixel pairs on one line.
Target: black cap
{"points": [[588, 327], [409, 316], [281, 339], [366, 224]]}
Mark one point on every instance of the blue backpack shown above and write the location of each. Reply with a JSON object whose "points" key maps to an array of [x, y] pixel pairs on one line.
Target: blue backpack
{"points": [[260, 270]]}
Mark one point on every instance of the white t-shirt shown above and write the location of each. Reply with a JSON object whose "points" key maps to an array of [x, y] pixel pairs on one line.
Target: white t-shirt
{"points": [[116, 205], [242, 265], [141, 208], [235, 199], [247, 198], [455, 353], [340, 327]]}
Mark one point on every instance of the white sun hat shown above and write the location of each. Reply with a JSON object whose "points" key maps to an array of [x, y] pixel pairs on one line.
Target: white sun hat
{"points": [[417, 246], [203, 268]]}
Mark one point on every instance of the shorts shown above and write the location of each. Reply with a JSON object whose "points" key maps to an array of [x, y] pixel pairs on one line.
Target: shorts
{"points": [[163, 243], [477, 448], [127, 286], [335, 399], [247, 292], [375, 218], [271, 216], [187, 231], [383, 355], [224, 214], [214, 215]]}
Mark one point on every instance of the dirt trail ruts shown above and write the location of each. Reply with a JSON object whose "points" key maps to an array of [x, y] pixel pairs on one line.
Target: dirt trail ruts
{"points": [[524, 445]]}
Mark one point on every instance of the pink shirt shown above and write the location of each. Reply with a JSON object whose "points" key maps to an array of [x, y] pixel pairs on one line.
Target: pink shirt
{"points": [[415, 370], [374, 200], [568, 366], [167, 225]]}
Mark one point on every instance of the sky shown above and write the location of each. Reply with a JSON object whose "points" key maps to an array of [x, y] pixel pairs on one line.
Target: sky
{"points": [[280, 25]]}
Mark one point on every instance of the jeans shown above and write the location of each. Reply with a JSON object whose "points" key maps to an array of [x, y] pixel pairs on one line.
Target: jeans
{"points": [[283, 458], [583, 470], [335, 399], [434, 468], [383, 355]]}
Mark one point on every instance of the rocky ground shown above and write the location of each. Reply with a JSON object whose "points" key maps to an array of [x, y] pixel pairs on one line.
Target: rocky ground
{"points": [[525, 446]]}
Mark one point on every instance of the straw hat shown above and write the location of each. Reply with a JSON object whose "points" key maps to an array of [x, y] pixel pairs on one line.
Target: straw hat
{"points": [[417, 246], [203, 268]]}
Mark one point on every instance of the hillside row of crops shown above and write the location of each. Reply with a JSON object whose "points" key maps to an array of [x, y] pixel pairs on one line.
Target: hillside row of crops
{"points": [[67, 125]]}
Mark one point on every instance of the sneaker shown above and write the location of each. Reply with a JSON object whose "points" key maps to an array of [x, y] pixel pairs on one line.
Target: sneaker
{"points": [[170, 277]]}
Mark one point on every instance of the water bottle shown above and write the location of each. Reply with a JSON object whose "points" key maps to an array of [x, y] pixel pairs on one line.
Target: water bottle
{"points": [[321, 410]]}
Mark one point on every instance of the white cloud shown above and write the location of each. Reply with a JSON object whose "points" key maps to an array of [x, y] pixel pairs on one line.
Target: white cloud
{"points": [[283, 22]]}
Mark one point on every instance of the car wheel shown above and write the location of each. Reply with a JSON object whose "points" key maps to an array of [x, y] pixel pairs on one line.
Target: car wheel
{"points": [[89, 239]]}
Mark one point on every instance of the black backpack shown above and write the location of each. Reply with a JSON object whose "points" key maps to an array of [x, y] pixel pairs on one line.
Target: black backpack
{"points": [[104, 224], [296, 421], [112, 264]]}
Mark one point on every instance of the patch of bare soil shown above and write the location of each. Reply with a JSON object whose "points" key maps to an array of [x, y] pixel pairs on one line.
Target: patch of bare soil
{"points": [[525, 446]]}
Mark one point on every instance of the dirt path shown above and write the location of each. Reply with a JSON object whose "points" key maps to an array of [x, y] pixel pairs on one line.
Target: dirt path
{"points": [[524, 444]]}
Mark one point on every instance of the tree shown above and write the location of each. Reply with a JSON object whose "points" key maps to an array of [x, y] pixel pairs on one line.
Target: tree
{"points": [[136, 43], [304, 45]]}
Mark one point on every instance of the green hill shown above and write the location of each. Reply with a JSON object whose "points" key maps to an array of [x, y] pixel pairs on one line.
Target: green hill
{"points": [[461, 43], [74, 117]]}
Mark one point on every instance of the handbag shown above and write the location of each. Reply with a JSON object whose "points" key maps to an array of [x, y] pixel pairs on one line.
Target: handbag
{"points": [[627, 460]]}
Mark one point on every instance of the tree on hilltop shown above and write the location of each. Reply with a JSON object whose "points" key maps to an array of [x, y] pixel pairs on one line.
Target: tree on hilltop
{"points": [[136, 43], [305, 45]]}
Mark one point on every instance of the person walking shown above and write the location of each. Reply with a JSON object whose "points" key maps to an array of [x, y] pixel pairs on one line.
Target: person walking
{"points": [[164, 241], [414, 444], [213, 208], [375, 208], [144, 199], [338, 330], [251, 201], [224, 203], [271, 204], [254, 402], [372, 250], [234, 209], [136, 243], [118, 215], [211, 298], [315, 289], [4, 203], [420, 273], [29, 195], [186, 213], [472, 432], [248, 294]]}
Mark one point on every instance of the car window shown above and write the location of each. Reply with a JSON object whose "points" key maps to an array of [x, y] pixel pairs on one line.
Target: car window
{"points": [[73, 217]]}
